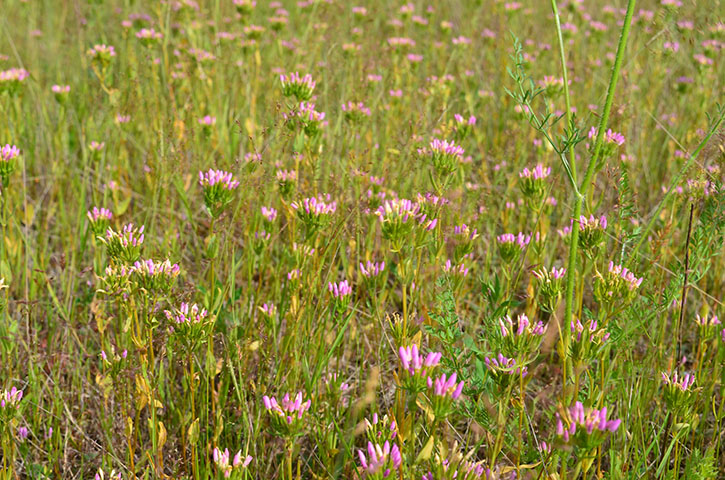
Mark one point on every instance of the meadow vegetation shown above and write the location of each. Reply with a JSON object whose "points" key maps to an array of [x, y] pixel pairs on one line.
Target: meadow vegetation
{"points": [[310, 239]]}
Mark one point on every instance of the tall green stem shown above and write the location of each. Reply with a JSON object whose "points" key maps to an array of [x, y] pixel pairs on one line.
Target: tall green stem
{"points": [[589, 176], [564, 75]]}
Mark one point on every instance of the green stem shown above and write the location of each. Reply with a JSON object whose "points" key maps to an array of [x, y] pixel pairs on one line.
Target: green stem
{"points": [[566, 80], [589, 176]]}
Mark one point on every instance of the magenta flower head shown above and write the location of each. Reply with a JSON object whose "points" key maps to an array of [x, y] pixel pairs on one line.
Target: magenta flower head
{"points": [[300, 87], [446, 387], [550, 287], [60, 92], [124, 246], [380, 460], [155, 276], [444, 155], [315, 212], [207, 121], [415, 364], [244, 7], [355, 112], [286, 180], [512, 246], [269, 214], [149, 36], [11, 80], [460, 270], [218, 186], [227, 465], [288, 415], [341, 293], [522, 337], [552, 85], [463, 239], [95, 146], [505, 370], [268, 309], [616, 285], [9, 157], [588, 340], [591, 232], [9, 402], [611, 141], [371, 269], [101, 55], [339, 290], [397, 220], [463, 126], [442, 392], [190, 324], [22, 434], [533, 184], [305, 117], [398, 43], [586, 427], [380, 430]]}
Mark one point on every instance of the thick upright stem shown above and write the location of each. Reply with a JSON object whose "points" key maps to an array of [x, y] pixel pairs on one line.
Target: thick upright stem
{"points": [[589, 176]]}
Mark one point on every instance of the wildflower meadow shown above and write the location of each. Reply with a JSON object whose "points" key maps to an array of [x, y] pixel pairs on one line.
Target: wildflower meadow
{"points": [[332, 239]]}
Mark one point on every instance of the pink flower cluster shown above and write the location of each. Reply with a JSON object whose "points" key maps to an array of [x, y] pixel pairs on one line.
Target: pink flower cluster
{"points": [[129, 236], [101, 51], [340, 289], [578, 329], [187, 314], [459, 269], [269, 213], [445, 148], [371, 269], [221, 459], [683, 383], [618, 270], [379, 457], [446, 387], [96, 214], [218, 177], [356, 107], [294, 84], [149, 34], [554, 273], [587, 418], [412, 361], [504, 364], [707, 321], [523, 325], [149, 268], [537, 173], [315, 206], [60, 89], [288, 410], [14, 75], [10, 398], [520, 240], [610, 136], [9, 152]]}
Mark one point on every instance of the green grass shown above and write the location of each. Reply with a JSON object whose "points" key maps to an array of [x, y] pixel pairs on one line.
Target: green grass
{"points": [[95, 345]]}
